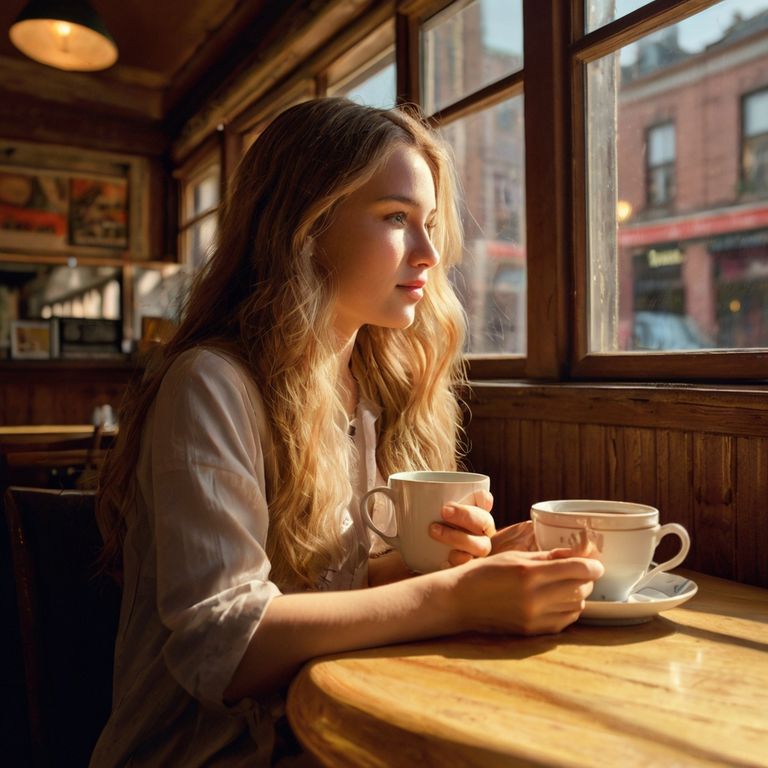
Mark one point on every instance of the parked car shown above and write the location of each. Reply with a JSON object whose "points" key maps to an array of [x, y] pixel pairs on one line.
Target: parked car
{"points": [[666, 330]]}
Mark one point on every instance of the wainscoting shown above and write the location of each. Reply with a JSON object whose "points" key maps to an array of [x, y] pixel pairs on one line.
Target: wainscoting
{"points": [[60, 391], [699, 454]]}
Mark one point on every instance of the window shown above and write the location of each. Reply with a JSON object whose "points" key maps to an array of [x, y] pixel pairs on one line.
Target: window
{"points": [[200, 194], [755, 142], [372, 84], [679, 262], [366, 72], [660, 172], [471, 51]]}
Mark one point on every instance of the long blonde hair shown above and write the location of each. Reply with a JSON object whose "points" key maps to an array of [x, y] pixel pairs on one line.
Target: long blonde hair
{"points": [[267, 300]]}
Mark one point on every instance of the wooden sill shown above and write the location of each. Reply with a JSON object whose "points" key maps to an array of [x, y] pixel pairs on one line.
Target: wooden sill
{"points": [[724, 409]]}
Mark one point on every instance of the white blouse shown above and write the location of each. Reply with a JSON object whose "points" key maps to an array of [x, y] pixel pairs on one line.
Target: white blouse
{"points": [[196, 574]]}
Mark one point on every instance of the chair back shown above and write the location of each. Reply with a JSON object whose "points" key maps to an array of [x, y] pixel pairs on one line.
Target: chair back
{"points": [[68, 614]]}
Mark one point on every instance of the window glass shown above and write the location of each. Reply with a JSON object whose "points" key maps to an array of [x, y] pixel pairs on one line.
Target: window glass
{"points": [[469, 46], [489, 151], [201, 195], [374, 85], [600, 12], [677, 175]]}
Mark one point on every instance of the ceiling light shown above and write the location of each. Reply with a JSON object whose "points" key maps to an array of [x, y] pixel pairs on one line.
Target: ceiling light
{"points": [[66, 34]]}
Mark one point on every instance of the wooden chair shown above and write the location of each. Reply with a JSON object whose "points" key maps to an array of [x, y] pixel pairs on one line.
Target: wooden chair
{"points": [[68, 614]]}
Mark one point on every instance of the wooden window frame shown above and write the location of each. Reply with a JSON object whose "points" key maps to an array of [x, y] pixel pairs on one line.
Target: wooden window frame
{"points": [[716, 365]]}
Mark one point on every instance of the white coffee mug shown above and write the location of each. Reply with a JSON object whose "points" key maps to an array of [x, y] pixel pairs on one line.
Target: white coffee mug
{"points": [[418, 498], [623, 535]]}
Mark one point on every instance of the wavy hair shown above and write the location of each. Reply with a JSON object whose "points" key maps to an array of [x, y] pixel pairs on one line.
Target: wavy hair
{"points": [[266, 299]]}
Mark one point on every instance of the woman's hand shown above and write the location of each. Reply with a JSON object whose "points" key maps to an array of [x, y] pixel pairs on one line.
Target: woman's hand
{"points": [[467, 528], [526, 593], [518, 537]]}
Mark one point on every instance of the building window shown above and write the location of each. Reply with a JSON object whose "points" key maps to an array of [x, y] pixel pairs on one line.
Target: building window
{"points": [[660, 165], [755, 142]]}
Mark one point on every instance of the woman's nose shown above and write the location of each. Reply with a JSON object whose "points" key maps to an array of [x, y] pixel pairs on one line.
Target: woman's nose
{"points": [[424, 253]]}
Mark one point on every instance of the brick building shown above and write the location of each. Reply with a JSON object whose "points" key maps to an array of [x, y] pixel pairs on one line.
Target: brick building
{"points": [[693, 186]]}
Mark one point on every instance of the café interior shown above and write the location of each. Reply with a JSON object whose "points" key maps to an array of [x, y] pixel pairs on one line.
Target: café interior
{"points": [[613, 158]]}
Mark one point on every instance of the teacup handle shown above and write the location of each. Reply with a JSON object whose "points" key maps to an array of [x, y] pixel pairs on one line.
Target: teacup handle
{"points": [[667, 565], [393, 541]]}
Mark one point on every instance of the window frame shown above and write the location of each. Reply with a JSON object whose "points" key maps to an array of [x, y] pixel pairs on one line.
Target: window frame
{"points": [[195, 169], [693, 366], [552, 80]]}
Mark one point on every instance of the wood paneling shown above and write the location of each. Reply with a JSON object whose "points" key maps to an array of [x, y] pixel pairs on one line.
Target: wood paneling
{"points": [[698, 454], [61, 391]]}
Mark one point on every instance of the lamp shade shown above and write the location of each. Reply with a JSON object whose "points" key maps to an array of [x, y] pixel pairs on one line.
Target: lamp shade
{"points": [[66, 34]]}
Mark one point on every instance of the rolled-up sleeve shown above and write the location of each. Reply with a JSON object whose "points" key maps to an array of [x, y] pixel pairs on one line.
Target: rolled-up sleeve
{"points": [[211, 520]]}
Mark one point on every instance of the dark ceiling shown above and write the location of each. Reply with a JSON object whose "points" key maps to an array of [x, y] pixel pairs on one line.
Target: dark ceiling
{"points": [[172, 54]]}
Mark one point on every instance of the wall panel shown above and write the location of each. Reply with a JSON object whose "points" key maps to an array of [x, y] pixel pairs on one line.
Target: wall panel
{"points": [[554, 441]]}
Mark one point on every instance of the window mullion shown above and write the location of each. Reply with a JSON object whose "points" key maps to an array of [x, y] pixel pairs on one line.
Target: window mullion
{"points": [[546, 32]]}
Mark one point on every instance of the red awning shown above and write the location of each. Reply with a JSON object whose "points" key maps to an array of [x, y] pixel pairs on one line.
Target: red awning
{"points": [[695, 226]]}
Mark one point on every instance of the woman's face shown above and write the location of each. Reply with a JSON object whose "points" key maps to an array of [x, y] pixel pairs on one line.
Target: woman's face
{"points": [[379, 246]]}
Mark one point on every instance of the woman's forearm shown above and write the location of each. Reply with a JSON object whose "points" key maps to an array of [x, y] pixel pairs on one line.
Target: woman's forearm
{"points": [[298, 627]]}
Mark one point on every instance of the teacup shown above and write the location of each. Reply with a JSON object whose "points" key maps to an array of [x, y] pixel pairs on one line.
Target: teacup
{"points": [[418, 498], [623, 535]]}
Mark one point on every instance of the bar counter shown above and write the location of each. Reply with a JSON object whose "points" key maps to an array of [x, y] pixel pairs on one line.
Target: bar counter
{"points": [[689, 687]]}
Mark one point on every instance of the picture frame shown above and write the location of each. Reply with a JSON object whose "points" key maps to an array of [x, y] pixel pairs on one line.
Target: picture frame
{"points": [[101, 206], [98, 211], [31, 340], [34, 206]]}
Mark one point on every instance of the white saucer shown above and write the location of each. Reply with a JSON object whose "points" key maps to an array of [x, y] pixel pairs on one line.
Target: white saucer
{"points": [[662, 592]]}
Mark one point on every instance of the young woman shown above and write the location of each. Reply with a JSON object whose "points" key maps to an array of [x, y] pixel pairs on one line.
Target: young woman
{"points": [[320, 352]]}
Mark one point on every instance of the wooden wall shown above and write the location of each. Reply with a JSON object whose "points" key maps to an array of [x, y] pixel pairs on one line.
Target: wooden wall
{"points": [[698, 454], [60, 391]]}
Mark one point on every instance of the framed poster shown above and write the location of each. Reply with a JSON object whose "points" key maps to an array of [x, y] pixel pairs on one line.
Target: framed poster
{"points": [[33, 209], [71, 201], [98, 212], [31, 339]]}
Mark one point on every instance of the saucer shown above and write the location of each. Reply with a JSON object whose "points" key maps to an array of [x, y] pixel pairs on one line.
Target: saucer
{"points": [[662, 592]]}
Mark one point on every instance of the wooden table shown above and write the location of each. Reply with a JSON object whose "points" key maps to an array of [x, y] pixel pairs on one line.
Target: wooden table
{"points": [[688, 688], [30, 434]]}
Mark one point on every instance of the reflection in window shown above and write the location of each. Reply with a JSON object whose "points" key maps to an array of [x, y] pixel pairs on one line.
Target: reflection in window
{"points": [[664, 119], [492, 278]]}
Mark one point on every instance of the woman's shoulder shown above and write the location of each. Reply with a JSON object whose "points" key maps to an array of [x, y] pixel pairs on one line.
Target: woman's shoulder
{"points": [[209, 365]]}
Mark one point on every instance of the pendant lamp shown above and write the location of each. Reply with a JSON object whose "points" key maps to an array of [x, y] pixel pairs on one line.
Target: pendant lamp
{"points": [[66, 34]]}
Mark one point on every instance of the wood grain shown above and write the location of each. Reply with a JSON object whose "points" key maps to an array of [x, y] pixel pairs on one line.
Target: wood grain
{"points": [[687, 689], [698, 454]]}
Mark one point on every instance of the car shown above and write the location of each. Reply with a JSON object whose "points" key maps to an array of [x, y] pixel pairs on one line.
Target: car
{"points": [[667, 330]]}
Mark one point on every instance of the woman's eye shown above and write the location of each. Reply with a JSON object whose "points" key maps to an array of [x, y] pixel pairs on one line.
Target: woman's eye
{"points": [[398, 218]]}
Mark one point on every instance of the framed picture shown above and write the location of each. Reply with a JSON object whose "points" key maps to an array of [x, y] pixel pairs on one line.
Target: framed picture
{"points": [[73, 202], [98, 212], [31, 339], [33, 209]]}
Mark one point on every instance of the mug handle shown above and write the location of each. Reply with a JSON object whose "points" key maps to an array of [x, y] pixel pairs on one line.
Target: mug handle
{"points": [[667, 565], [393, 541]]}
